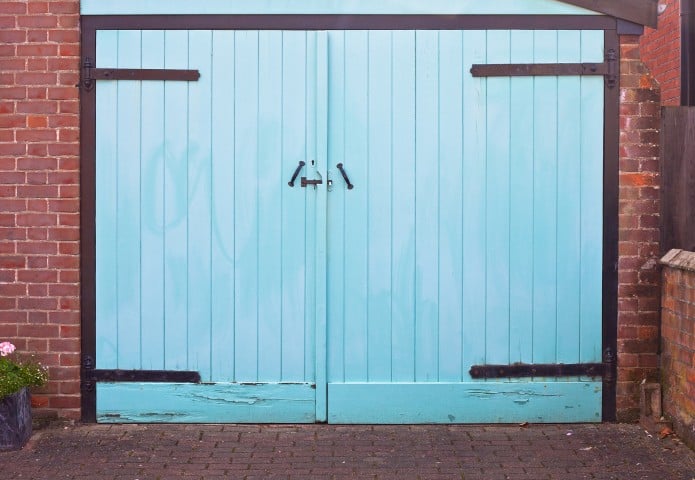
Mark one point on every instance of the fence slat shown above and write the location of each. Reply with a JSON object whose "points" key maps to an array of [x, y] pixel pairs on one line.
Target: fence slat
{"points": [[678, 178]]}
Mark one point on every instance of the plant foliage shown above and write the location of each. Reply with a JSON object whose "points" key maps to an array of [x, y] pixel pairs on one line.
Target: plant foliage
{"points": [[16, 374]]}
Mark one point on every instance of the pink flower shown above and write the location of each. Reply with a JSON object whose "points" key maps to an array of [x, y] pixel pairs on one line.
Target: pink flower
{"points": [[6, 348]]}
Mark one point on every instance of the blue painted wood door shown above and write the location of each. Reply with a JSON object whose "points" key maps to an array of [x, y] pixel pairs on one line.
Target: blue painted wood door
{"points": [[205, 257], [473, 233]]}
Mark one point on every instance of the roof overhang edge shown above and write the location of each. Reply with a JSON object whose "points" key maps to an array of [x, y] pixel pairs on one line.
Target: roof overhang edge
{"points": [[643, 12]]}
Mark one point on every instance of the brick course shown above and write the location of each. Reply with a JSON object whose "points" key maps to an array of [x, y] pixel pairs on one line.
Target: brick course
{"points": [[638, 224], [39, 201], [678, 342]]}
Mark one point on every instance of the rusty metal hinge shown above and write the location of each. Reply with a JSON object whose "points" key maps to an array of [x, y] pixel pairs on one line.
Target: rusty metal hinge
{"points": [[613, 70], [88, 365], [522, 370], [90, 74], [608, 69], [117, 375]]}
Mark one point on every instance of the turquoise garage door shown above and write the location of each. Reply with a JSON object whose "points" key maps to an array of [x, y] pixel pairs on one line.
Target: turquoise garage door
{"points": [[358, 226]]}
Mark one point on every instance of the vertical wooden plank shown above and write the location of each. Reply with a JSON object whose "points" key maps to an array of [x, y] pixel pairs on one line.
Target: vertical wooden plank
{"points": [[568, 206], [176, 206], [223, 207], [106, 206], [545, 203], [380, 207], [199, 203], [152, 205], [521, 205], [356, 204], [474, 197], [246, 200], [497, 201], [310, 211], [128, 204], [592, 132], [336, 204], [403, 201], [271, 184], [427, 206], [320, 319], [293, 205], [451, 214]]}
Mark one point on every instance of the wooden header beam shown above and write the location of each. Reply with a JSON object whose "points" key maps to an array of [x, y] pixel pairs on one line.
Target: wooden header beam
{"points": [[643, 12]]}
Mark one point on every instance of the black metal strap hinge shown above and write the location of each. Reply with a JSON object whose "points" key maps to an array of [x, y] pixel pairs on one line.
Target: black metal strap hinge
{"points": [[522, 370], [91, 375], [608, 69], [174, 376], [90, 74]]}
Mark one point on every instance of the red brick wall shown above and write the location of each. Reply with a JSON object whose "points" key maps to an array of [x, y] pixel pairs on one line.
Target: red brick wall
{"points": [[678, 342], [661, 52], [39, 191], [638, 274]]}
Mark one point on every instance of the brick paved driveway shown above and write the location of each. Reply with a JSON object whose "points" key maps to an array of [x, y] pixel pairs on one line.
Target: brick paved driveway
{"points": [[144, 452]]}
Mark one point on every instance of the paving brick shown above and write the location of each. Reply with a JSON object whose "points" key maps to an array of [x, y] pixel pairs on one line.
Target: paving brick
{"points": [[607, 451]]}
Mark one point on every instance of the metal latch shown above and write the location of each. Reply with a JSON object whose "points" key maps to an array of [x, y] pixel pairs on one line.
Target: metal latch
{"points": [[304, 182]]}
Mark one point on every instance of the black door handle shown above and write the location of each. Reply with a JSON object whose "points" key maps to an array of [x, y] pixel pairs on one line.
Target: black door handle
{"points": [[296, 172], [345, 177]]}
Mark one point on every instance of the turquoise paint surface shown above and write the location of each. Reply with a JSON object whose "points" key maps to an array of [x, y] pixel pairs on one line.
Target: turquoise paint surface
{"points": [[205, 256], [152, 208], [145, 7], [461, 243], [321, 228], [521, 194], [218, 403], [473, 234], [481, 402], [106, 208]]}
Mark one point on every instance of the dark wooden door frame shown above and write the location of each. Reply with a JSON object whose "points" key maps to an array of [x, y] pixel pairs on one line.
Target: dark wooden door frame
{"points": [[90, 24]]}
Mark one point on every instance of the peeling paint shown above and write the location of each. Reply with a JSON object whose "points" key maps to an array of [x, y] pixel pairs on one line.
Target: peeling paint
{"points": [[197, 403], [523, 393]]}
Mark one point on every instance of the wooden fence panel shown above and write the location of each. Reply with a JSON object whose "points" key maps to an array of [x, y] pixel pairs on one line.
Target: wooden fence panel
{"points": [[678, 178]]}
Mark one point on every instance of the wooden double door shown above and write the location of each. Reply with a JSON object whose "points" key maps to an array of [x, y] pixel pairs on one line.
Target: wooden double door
{"points": [[436, 222]]}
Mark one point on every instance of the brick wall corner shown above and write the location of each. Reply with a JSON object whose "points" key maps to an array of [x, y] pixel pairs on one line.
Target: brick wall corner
{"points": [[638, 244]]}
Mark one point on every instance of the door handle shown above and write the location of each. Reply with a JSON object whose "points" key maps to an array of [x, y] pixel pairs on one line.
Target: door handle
{"points": [[296, 172], [345, 177]]}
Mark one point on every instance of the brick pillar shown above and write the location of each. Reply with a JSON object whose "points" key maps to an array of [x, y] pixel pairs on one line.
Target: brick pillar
{"points": [[39, 192], [638, 268]]}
